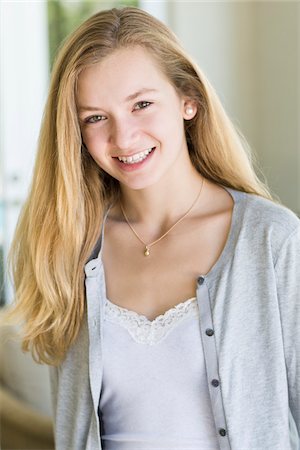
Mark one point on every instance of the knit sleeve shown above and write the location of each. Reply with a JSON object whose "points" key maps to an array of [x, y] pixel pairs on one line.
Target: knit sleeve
{"points": [[287, 269], [53, 372]]}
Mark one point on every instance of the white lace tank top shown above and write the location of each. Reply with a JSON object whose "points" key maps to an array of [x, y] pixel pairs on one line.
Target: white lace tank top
{"points": [[154, 393]]}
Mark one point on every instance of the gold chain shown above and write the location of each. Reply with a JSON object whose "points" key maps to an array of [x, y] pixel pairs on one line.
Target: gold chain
{"points": [[147, 246]]}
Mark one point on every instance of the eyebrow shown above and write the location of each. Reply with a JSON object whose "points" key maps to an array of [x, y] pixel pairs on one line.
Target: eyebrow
{"points": [[127, 99], [138, 93]]}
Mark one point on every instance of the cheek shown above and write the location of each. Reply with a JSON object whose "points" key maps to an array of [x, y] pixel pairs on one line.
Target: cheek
{"points": [[170, 128], [163, 124], [93, 139], [94, 148]]}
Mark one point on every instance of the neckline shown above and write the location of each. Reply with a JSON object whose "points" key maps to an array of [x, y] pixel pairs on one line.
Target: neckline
{"points": [[161, 317], [237, 210]]}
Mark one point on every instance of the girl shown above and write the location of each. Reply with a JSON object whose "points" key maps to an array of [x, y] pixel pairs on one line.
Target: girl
{"points": [[179, 326]]}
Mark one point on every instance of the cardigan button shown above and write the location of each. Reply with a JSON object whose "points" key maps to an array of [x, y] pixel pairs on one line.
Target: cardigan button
{"points": [[215, 383], [200, 280], [222, 432], [209, 332]]}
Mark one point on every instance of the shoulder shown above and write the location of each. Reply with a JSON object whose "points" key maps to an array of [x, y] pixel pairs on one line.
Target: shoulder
{"points": [[269, 211], [265, 221]]}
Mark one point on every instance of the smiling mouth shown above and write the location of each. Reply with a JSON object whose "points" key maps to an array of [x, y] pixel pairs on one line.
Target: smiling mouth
{"points": [[137, 158]]}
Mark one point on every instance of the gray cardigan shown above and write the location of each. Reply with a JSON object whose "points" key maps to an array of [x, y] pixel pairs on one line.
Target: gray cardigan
{"points": [[249, 306]]}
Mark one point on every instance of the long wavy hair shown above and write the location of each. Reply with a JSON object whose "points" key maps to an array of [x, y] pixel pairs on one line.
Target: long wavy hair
{"points": [[60, 221]]}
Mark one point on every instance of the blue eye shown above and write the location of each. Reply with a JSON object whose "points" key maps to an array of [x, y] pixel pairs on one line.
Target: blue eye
{"points": [[94, 119], [142, 105]]}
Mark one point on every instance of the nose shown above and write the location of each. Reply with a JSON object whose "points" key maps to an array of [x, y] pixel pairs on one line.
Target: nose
{"points": [[123, 134]]}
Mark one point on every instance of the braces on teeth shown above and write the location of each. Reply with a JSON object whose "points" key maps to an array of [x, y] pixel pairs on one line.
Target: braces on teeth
{"points": [[138, 157]]}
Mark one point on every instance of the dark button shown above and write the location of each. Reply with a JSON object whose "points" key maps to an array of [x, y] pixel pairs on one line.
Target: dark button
{"points": [[200, 280], [215, 383], [222, 432], [209, 332]]}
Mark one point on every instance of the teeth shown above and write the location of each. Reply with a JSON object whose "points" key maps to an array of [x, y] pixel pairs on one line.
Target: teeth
{"points": [[138, 157]]}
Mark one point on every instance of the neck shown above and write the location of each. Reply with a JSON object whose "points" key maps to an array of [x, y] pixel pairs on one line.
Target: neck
{"points": [[159, 207]]}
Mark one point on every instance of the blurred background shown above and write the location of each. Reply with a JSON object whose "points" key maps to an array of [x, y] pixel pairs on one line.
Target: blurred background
{"points": [[250, 51]]}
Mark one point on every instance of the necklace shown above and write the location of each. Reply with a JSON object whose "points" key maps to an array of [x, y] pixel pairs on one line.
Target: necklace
{"points": [[147, 246]]}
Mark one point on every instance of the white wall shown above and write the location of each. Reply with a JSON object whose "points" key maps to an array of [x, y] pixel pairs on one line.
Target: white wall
{"points": [[23, 86], [250, 51], [158, 8]]}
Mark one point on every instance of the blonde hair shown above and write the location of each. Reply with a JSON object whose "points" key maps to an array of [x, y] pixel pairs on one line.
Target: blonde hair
{"points": [[60, 221]]}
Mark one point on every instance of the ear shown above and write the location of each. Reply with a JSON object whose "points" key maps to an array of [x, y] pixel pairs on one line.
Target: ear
{"points": [[189, 109]]}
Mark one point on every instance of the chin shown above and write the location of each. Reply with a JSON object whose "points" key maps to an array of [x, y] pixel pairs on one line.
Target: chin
{"points": [[138, 185]]}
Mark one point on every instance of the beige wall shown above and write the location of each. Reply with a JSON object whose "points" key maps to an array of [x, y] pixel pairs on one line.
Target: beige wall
{"points": [[278, 116], [250, 52]]}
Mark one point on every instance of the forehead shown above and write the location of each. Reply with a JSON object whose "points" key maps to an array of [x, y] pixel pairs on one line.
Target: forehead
{"points": [[120, 74]]}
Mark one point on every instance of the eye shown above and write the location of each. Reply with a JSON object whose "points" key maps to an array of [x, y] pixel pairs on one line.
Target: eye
{"points": [[94, 119], [142, 105]]}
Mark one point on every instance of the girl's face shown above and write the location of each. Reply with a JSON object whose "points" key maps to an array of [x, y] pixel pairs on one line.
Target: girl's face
{"points": [[131, 118]]}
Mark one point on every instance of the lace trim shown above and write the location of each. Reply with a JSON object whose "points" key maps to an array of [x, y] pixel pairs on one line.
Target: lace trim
{"points": [[145, 331]]}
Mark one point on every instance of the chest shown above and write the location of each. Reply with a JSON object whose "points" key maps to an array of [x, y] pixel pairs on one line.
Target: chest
{"points": [[151, 285]]}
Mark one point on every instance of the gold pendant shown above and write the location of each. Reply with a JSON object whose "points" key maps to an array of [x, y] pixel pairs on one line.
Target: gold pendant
{"points": [[147, 251]]}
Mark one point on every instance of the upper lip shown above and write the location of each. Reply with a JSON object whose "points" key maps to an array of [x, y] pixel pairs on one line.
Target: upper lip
{"points": [[133, 153]]}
